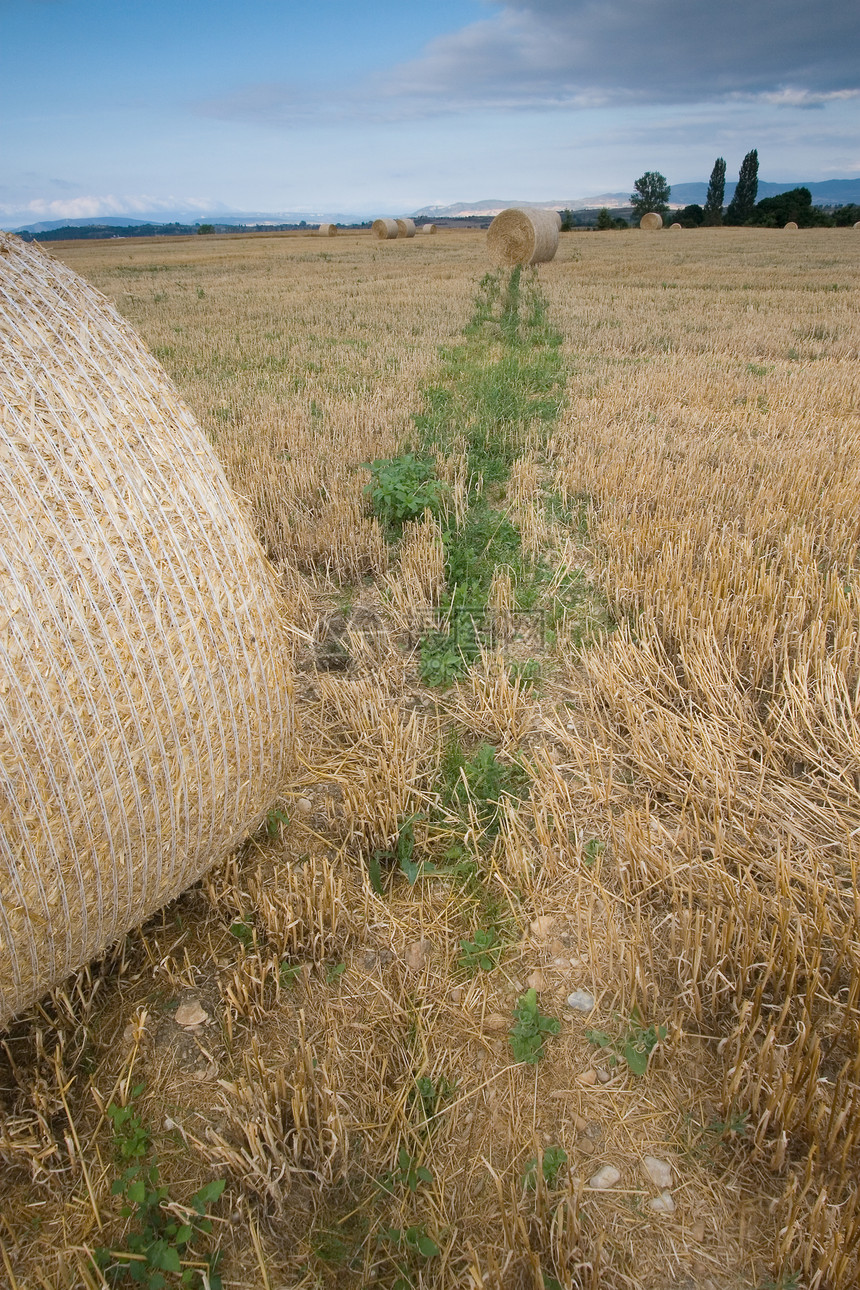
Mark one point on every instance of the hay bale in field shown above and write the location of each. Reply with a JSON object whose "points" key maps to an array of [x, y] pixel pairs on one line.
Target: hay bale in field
{"points": [[651, 221], [385, 229], [145, 713], [557, 215], [675, 225], [520, 235], [428, 228], [857, 225], [327, 230], [790, 224], [405, 227]]}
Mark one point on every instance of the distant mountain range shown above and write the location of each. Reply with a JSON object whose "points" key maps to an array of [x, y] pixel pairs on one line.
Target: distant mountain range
{"points": [[828, 192]]}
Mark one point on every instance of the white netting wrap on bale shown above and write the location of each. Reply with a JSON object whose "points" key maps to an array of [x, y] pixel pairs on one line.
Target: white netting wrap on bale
{"points": [[144, 688], [522, 236]]}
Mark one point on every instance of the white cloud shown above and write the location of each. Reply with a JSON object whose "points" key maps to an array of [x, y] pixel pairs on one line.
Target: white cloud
{"points": [[92, 206]]}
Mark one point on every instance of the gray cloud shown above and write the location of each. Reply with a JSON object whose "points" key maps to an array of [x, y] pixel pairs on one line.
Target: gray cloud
{"points": [[585, 53]]}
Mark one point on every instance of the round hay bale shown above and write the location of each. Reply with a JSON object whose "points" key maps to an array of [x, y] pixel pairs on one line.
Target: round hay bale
{"points": [[791, 224], [557, 215], [522, 236], [327, 230], [145, 712], [652, 221], [857, 225], [675, 225], [405, 227], [384, 229], [428, 228]]}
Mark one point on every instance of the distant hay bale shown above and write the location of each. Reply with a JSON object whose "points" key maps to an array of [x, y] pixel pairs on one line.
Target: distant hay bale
{"points": [[385, 229], [405, 227], [857, 225], [521, 235], [675, 225], [791, 224], [651, 222], [327, 230], [145, 714], [428, 228]]}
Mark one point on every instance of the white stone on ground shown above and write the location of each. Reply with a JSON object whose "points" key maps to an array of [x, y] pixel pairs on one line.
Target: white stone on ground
{"points": [[659, 1171], [581, 1000], [662, 1204], [606, 1177]]}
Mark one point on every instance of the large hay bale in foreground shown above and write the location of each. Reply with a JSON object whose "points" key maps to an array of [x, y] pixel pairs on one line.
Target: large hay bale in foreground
{"points": [[384, 229], [651, 221], [557, 215], [520, 235], [327, 230], [405, 227], [428, 228], [144, 689]]}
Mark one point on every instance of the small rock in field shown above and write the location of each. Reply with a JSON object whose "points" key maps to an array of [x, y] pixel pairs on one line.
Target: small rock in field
{"points": [[304, 806], [190, 1014], [588, 1077], [536, 980], [586, 1146], [581, 1000], [415, 955], [659, 1171], [559, 962], [556, 946], [497, 1021], [542, 926], [662, 1204], [468, 1117], [594, 1130], [575, 962], [603, 1075], [697, 1231], [608, 1176], [579, 1124], [456, 995], [130, 1033]]}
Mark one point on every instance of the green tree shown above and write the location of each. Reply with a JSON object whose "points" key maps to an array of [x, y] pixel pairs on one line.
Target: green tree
{"points": [[652, 194], [604, 219], [716, 193], [692, 216], [775, 212], [205, 228], [566, 221], [742, 205]]}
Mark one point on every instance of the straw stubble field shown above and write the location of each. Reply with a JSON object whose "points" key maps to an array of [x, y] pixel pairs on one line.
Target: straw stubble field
{"points": [[655, 802]]}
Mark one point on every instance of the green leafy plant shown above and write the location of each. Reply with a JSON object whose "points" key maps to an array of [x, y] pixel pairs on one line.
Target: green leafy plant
{"points": [[428, 1096], [414, 1240], [403, 488], [289, 973], [274, 820], [592, 851], [552, 1161], [334, 972], [530, 1028], [162, 1246], [482, 781], [407, 1175], [483, 951], [243, 932], [634, 1044]]}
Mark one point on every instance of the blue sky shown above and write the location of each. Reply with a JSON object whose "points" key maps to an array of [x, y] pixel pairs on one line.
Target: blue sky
{"points": [[181, 105]]}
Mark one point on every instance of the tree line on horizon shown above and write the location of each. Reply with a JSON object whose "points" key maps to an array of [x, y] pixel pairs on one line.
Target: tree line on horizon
{"points": [[652, 192]]}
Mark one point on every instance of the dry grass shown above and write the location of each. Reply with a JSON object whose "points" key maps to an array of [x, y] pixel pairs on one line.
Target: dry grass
{"points": [[687, 848]]}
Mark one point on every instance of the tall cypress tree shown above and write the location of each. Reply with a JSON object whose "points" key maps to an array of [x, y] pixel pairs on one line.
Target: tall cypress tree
{"points": [[716, 193], [742, 204]]}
